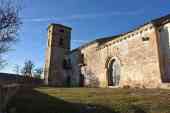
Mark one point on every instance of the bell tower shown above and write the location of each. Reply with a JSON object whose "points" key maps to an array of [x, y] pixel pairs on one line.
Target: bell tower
{"points": [[58, 47]]}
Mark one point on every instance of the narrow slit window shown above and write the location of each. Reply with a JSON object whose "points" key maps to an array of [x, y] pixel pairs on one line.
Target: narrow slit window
{"points": [[61, 41]]}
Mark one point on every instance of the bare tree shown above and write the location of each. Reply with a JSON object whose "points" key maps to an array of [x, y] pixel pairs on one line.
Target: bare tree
{"points": [[38, 72], [9, 25], [28, 68]]}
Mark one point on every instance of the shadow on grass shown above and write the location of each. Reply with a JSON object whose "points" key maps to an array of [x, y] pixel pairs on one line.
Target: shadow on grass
{"points": [[30, 101]]}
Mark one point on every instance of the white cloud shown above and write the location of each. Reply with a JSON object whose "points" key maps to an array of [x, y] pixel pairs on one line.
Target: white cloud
{"points": [[84, 16]]}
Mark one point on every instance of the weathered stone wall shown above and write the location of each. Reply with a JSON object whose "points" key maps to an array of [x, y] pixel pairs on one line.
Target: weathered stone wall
{"points": [[92, 66], [137, 52], [7, 78], [75, 68], [6, 93]]}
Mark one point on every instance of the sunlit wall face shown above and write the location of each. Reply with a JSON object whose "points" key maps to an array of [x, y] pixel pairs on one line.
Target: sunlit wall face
{"points": [[165, 49]]}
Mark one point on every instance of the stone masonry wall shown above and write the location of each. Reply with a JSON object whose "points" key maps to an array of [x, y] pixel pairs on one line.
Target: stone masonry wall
{"points": [[58, 48], [138, 55]]}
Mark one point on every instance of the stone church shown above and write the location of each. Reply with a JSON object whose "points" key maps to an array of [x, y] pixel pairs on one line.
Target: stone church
{"points": [[138, 58]]}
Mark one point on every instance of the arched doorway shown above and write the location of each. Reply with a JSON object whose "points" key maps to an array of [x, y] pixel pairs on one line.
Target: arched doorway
{"points": [[113, 72], [81, 80]]}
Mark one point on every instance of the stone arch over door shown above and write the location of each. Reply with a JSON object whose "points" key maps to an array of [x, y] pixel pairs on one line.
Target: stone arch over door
{"points": [[113, 71]]}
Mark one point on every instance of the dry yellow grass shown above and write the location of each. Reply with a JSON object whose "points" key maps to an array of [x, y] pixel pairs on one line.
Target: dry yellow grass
{"points": [[91, 100]]}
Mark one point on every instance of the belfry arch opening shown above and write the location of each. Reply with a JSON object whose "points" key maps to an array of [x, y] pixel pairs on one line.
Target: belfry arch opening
{"points": [[113, 72]]}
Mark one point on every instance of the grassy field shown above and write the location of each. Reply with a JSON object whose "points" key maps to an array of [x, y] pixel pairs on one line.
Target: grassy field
{"points": [[90, 100]]}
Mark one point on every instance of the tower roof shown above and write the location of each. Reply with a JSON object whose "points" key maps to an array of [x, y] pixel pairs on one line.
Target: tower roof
{"points": [[60, 25]]}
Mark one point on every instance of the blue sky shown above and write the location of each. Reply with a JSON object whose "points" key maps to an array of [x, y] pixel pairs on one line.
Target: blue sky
{"points": [[89, 19]]}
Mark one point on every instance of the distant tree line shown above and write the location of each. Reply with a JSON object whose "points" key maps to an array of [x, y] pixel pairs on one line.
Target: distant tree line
{"points": [[29, 69]]}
